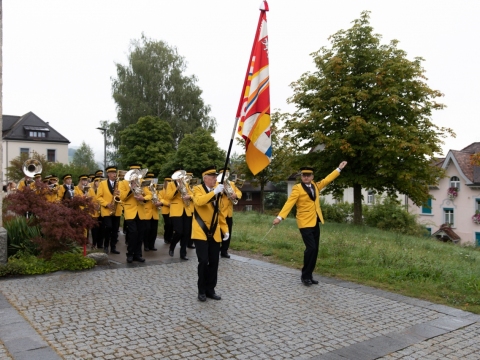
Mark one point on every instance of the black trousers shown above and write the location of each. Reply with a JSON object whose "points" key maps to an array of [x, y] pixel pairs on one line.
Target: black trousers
{"points": [[135, 229], [226, 243], [311, 239], [182, 232], [167, 228], [98, 233], [208, 257], [152, 234], [111, 224]]}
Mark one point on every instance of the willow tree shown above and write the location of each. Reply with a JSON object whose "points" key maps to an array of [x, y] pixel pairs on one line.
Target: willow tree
{"points": [[368, 104]]}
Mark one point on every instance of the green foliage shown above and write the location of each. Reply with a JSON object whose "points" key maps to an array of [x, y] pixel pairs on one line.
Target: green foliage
{"points": [[84, 158], [148, 142], [368, 104], [389, 215], [75, 170], [153, 82], [27, 264], [195, 152], [20, 234], [340, 213], [414, 266]]}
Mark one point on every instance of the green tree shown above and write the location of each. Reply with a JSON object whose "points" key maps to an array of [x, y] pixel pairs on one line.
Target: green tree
{"points": [[60, 170], [154, 83], [195, 152], [15, 169], [148, 142], [84, 158], [283, 157], [368, 104]]}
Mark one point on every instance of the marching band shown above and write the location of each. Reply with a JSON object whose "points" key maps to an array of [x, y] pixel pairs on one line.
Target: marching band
{"points": [[138, 196]]}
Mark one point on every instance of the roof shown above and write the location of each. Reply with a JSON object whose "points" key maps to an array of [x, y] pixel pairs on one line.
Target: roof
{"points": [[17, 127], [463, 159], [446, 231]]}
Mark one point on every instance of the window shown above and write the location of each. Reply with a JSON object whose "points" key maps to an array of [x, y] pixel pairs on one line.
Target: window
{"points": [[25, 151], [40, 134], [248, 196], [477, 204], [448, 217], [455, 182], [427, 207], [429, 231], [370, 197], [248, 207], [51, 155]]}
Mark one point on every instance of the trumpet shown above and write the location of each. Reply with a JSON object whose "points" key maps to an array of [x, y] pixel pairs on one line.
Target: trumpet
{"points": [[53, 187]]}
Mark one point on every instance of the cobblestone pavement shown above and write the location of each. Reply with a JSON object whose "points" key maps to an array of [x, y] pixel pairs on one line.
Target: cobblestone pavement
{"points": [[151, 311], [4, 352]]}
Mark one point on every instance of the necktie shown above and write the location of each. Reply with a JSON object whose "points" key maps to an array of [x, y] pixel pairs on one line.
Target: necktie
{"points": [[311, 190]]}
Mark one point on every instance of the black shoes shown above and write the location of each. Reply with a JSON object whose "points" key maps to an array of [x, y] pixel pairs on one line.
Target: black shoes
{"points": [[115, 251], [191, 246], [146, 249], [105, 250], [307, 282], [202, 297], [213, 296], [314, 282], [153, 249], [225, 255], [129, 259], [170, 252], [139, 259], [183, 257]]}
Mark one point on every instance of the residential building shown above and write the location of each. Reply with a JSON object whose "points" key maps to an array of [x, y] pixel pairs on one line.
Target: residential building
{"points": [[455, 200], [28, 133]]}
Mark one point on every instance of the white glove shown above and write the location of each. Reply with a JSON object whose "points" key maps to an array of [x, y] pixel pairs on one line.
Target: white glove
{"points": [[218, 189], [226, 236]]}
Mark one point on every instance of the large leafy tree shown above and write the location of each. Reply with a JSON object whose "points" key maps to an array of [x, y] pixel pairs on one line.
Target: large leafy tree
{"points": [[148, 142], [195, 152], [154, 83], [15, 169], [84, 157], [368, 104]]}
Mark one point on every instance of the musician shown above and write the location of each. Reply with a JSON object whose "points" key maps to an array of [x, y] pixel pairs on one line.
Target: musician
{"points": [[53, 187], [306, 196], [180, 216], [97, 231], [109, 210], [151, 214], [26, 181], [207, 237], [82, 188], [227, 210], [90, 179], [66, 190], [134, 199], [37, 180], [167, 223], [99, 173]]}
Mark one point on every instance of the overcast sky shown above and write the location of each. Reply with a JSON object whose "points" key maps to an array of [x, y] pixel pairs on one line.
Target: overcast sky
{"points": [[59, 56]]}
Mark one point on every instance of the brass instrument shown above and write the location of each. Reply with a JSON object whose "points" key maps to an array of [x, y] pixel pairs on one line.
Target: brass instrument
{"points": [[116, 198], [159, 187], [227, 188], [53, 187], [135, 176], [239, 181], [31, 167], [153, 188], [193, 181], [182, 180]]}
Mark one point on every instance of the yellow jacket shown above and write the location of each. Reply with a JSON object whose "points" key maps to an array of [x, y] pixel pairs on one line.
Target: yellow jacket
{"points": [[52, 195], [105, 197], [227, 204], [162, 196], [307, 209], [203, 204], [151, 211], [131, 206], [176, 202]]}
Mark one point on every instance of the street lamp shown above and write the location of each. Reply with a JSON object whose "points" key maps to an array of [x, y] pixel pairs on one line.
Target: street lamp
{"points": [[104, 131]]}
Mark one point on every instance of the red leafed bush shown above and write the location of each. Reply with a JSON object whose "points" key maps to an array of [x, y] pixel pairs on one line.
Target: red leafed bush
{"points": [[62, 224]]}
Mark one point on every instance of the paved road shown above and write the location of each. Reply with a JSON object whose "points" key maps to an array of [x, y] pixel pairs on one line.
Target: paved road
{"points": [[151, 311]]}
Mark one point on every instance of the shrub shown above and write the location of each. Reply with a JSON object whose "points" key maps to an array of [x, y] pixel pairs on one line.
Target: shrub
{"points": [[339, 213], [20, 234]]}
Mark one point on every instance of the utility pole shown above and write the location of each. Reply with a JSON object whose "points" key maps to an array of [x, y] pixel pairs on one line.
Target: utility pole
{"points": [[104, 131]]}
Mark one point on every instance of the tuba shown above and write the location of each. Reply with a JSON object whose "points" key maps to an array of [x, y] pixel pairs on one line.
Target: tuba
{"points": [[31, 167], [182, 180], [136, 176], [227, 188]]}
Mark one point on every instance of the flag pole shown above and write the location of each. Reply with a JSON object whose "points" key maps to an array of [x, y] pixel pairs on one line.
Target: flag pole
{"points": [[263, 9]]}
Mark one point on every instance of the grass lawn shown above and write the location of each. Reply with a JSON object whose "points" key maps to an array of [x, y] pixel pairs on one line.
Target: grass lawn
{"points": [[419, 267]]}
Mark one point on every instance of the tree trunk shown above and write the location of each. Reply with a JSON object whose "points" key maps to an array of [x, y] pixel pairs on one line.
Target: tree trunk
{"points": [[262, 196], [357, 204]]}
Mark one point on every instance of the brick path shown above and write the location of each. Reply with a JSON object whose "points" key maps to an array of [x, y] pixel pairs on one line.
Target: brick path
{"points": [[151, 311]]}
